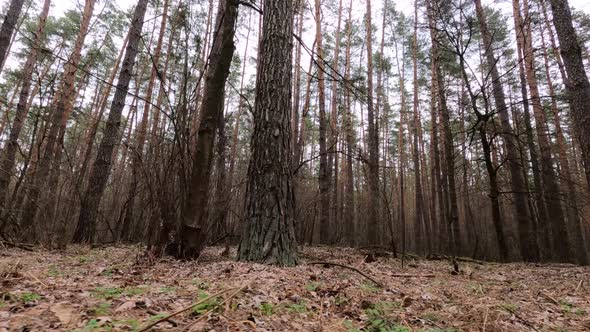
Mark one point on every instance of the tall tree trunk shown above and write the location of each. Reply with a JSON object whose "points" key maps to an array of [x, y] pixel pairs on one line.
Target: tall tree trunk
{"points": [[528, 245], [236, 130], [62, 105], [574, 224], [333, 155], [137, 157], [195, 212], [8, 26], [324, 176], [561, 245], [9, 151], [300, 146], [91, 134], [542, 214], [297, 81], [452, 216], [419, 213], [101, 168], [349, 214], [373, 140], [270, 236], [577, 86]]}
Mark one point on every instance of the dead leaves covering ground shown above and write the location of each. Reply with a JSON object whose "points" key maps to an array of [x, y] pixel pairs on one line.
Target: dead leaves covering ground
{"points": [[104, 290]]}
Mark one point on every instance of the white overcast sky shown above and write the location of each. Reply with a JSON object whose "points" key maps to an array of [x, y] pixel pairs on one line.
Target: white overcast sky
{"points": [[59, 6]]}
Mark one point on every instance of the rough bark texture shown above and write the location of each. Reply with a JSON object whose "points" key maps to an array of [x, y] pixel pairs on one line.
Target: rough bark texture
{"points": [[577, 85], [270, 236], [528, 246], [578, 93], [7, 29], [101, 168]]}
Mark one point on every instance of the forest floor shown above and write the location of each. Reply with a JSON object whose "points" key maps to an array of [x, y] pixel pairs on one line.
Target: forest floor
{"points": [[113, 289]]}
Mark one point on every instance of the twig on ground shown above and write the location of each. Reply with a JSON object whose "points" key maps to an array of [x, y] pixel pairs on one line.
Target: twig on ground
{"points": [[350, 268], [12, 269], [552, 300], [23, 246], [149, 326], [37, 279], [522, 320], [155, 313], [217, 306], [485, 320], [578, 287], [361, 263], [436, 257]]}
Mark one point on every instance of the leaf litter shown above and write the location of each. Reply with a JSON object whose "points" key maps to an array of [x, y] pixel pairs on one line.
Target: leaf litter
{"points": [[108, 289]]}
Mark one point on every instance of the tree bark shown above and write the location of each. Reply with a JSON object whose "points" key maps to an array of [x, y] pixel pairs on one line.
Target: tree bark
{"points": [[577, 85], [528, 245], [373, 140], [324, 176], [10, 148], [270, 236], [349, 215], [63, 100], [560, 243], [138, 156], [7, 29], [419, 213], [195, 211], [101, 168]]}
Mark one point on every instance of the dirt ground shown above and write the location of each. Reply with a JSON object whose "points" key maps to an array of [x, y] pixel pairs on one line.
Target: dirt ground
{"points": [[110, 289]]}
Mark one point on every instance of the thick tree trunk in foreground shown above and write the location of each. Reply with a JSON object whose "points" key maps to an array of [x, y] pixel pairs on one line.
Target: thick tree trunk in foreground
{"points": [[101, 169], [195, 212], [577, 85], [270, 236]]}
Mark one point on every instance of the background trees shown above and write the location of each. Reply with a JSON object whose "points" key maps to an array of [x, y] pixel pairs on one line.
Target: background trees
{"points": [[429, 126]]}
